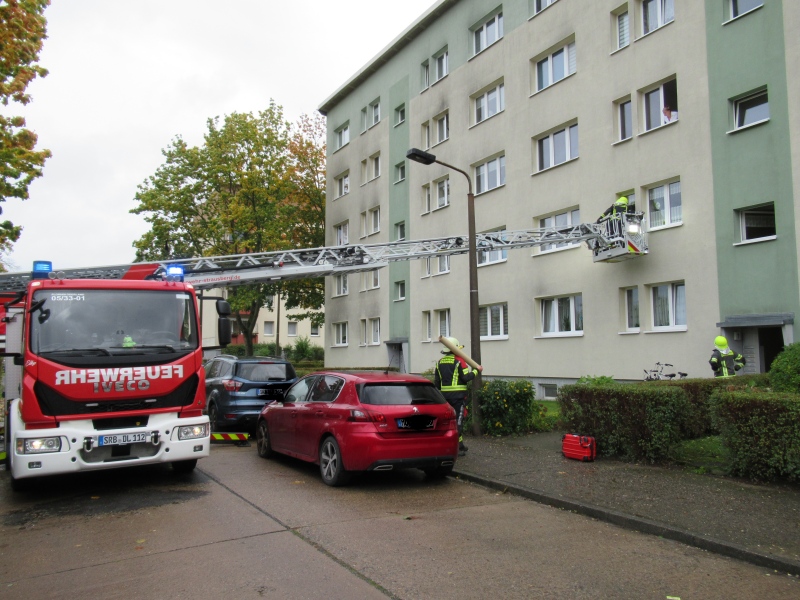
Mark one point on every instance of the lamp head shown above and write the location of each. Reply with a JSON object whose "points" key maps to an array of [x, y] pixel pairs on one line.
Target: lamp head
{"points": [[420, 156]]}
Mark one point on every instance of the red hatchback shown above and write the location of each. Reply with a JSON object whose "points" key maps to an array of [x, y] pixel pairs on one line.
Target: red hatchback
{"points": [[365, 421]]}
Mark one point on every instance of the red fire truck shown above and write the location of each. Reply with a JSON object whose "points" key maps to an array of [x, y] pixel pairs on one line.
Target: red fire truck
{"points": [[104, 373]]}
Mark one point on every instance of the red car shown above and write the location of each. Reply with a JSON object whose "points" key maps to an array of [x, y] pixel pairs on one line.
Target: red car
{"points": [[366, 421]]}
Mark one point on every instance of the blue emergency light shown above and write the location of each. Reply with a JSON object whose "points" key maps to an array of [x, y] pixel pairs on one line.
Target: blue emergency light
{"points": [[174, 273], [41, 269]]}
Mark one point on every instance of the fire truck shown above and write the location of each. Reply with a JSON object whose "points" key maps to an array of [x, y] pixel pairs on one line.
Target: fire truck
{"points": [[103, 365]]}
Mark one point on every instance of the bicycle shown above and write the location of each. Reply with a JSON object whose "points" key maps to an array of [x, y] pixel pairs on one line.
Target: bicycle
{"points": [[658, 374]]}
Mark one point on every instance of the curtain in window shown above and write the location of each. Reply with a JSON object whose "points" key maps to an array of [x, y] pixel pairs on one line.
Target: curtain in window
{"points": [[649, 15], [661, 306], [675, 206], [667, 11], [559, 147], [632, 301], [564, 314], [573, 141], [497, 317], [571, 66], [657, 215], [578, 312], [622, 25], [680, 304], [483, 321], [548, 322]]}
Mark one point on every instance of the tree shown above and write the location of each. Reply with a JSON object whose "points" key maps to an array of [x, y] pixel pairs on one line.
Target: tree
{"points": [[22, 33]]}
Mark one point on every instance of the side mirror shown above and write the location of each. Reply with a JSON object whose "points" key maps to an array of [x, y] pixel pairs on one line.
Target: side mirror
{"points": [[223, 308], [224, 330]]}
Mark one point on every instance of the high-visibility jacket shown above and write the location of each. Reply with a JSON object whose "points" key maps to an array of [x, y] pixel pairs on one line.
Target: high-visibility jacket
{"points": [[452, 375], [726, 364]]}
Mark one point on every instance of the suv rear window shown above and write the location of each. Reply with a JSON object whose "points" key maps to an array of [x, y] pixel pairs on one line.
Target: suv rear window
{"points": [[400, 393], [265, 371]]}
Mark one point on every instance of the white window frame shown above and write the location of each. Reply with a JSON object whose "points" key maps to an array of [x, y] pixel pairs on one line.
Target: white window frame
{"points": [[442, 65], [314, 330], [443, 322], [756, 212], [665, 14], [340, 285], [426, 198], [623, 30], [443, 265], [624, 119], [568, 62], [676, 293], [426, 135], [739, 115], [493, 257], [269, 328], [442, 123], [481, 35], [343, 185], [426, 75], [568, 218], [374, 332], [342, 232], [291, 328], [570, 152], [374, 112], [400, 172], [672, 199], [660, 117], [400, 290], [375, 165], [340, 334], [540, 5], [553, 305], [427, 325], [343, 136], [735, 13], [442, 193], [485, 319], [426, 267], [482, 103], [400, 231], [632, 310], [484, 182], [362, 327], [400, 115]]}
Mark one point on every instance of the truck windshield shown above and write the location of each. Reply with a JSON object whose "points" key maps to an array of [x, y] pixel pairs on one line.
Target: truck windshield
{"points": [[112, 322]]}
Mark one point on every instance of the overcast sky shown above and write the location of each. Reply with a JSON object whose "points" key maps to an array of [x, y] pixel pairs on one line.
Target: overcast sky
{"points": [[127, 77]]}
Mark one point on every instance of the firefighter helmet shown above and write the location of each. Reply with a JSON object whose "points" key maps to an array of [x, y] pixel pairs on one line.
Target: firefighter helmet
{"points": [[720, 342], [454, 342]]}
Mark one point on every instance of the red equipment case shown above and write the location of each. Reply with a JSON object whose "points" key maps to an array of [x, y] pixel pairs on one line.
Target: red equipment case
{"points": [[579, 447]]}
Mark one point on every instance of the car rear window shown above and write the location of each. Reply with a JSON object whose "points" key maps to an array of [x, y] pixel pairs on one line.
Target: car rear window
{"points": [[265, 371], [400, 393]]}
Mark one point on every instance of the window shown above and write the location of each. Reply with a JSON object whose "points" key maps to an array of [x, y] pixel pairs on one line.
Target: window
{"points": [[363, 329], [340, 334], [493, 322], [664, 204], [443, 193], [625, 120], [632, 309], [291, 328], [399, 172], [490, 103], [443, 320], [364, 123], [342, 185], [623, 30], [490, 175], [740, 7], [444, 264], [426, 135], [661, 105], [562, 315], [570, 218], [751, 110], [342, 136], [540, 5], [426, 199], [757, 223], [400, 114], [426, 326], [375, 219], [442, 128], [441, 65], [549, 390], [374, 113], [488, 33], [269, 328], [400, 231], [342, 233], [656, 13], [669, 305], [376, 165], [426, 76], [558, 147], [488, 257], [340, 283], [400, 290], [375, 331], [314, 330], [373, 280], [553, 68], [426, 267]]}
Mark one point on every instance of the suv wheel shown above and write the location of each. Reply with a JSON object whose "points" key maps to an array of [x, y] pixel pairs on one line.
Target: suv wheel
{"points": [[212, 416]]}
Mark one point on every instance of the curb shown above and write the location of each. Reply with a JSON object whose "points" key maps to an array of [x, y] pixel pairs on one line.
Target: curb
{"points": [[639, 524]]}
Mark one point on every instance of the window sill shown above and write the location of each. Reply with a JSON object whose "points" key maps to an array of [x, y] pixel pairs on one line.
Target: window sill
{"points": [[499, 112], [477, 54], [550, 336], [652, 31], [399, 123], [433, 210], [498, 338], [439, 143], [502, 185], [768, 238], [555, 250], [659, 127], [555, 83], [338, 346], [675, 329], [618, 142], [400, 181], [663, 227], [494, 262], [341, 147], [566, 162], [744, 14], [750, 126], [442, 273], [628, 332], [442, 78], [339, 296], [399, 300], [425, 89], [628, 45]]}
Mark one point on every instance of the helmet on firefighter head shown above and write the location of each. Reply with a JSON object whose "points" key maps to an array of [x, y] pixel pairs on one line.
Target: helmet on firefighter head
{"points": [[454, 342], [621, 202], [721, 343]]}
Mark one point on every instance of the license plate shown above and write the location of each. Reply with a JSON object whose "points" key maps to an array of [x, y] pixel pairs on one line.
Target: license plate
{"points": [[121, 439], [416, 423], [268, 393]]}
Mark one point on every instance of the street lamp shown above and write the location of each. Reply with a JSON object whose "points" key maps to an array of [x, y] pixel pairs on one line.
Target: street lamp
{"points": [[426, 158]]}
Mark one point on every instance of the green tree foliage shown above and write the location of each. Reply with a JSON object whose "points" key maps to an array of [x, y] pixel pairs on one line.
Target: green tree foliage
{"points": [[22, 33]]}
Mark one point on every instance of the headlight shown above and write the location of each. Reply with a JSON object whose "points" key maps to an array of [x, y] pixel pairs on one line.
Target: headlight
{"points": [[192, 432], [634, 228], [38, 445]]}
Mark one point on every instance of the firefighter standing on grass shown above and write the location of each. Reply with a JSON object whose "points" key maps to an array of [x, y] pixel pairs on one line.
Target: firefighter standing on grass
{"points": [[724, 361], [451, 376]]}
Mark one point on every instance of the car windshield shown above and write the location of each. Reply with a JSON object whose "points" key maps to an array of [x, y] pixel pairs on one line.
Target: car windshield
{"points": [[112, 321], [400, 393], [265, 371]]}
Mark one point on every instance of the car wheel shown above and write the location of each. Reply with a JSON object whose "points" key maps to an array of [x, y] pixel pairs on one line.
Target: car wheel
{"points": [[438, 472], [263, 444], [184, 466], [330, 463], [212, 416]]}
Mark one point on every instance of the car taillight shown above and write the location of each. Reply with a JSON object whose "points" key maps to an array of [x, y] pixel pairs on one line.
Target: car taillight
{"points": [[231, 385], [366, 416]]}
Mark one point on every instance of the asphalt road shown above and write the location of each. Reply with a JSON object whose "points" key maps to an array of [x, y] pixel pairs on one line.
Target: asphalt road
{"points": [[244, 527]]}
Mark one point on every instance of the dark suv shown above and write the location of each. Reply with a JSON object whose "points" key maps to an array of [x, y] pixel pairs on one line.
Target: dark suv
{"points": [[237, 388]]}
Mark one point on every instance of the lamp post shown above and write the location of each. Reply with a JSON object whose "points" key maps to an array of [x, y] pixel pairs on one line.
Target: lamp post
{"points": [[426, 158]]}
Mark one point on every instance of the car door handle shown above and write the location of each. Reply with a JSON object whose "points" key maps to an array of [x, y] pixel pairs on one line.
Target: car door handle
{"points": [[320, 413], [294, 414]]}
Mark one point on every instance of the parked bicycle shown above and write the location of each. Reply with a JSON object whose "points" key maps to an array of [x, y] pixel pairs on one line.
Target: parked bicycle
{"points": [[658, 374]]}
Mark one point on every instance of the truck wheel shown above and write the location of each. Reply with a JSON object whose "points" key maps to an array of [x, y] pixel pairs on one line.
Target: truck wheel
{"points": [[184, 466]]}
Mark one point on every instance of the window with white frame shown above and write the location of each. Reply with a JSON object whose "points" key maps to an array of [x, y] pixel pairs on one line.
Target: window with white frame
{"points": [[661, 105], [362, 328], [342, 185], [669, 305], [441, 64], [487, 33], [623, 30], [340, 334], [569, 218], [342, 233], [269, 328], [443, 321], [443, 192], [555, 67], [632, 309], [426, 75], [740, 7], [490, 102], [400, 114], [374, 112], [493, 321], [562, 315], [751, 110], [540, 5], [364, 120], [400, 231], [625, 120], [343, 136], [375, 164], [364, 171], [426, 135], [375, 331], [400, 290], [375, 219], [340, 284], [656, 13], [426, 199], [558, 147], [291, 328], [757, 223], [665, 205], [400, 172], [488, 257], [314, 330], [426, 267], [374, 280], [444, 264], [490, 174], [426, 326], [442, 124]]}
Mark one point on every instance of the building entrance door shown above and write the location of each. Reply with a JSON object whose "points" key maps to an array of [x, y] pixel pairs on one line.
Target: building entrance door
{"points": [[770, 343]]}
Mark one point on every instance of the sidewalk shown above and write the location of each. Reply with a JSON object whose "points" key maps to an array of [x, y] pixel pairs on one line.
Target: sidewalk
{"points": [[758, 523]]}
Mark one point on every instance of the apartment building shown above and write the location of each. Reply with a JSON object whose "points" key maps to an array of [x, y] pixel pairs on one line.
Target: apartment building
{"points": [[555, 108]]}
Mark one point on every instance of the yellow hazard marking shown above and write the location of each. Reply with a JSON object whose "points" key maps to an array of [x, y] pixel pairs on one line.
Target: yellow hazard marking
{"points": [[234, 437]]}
